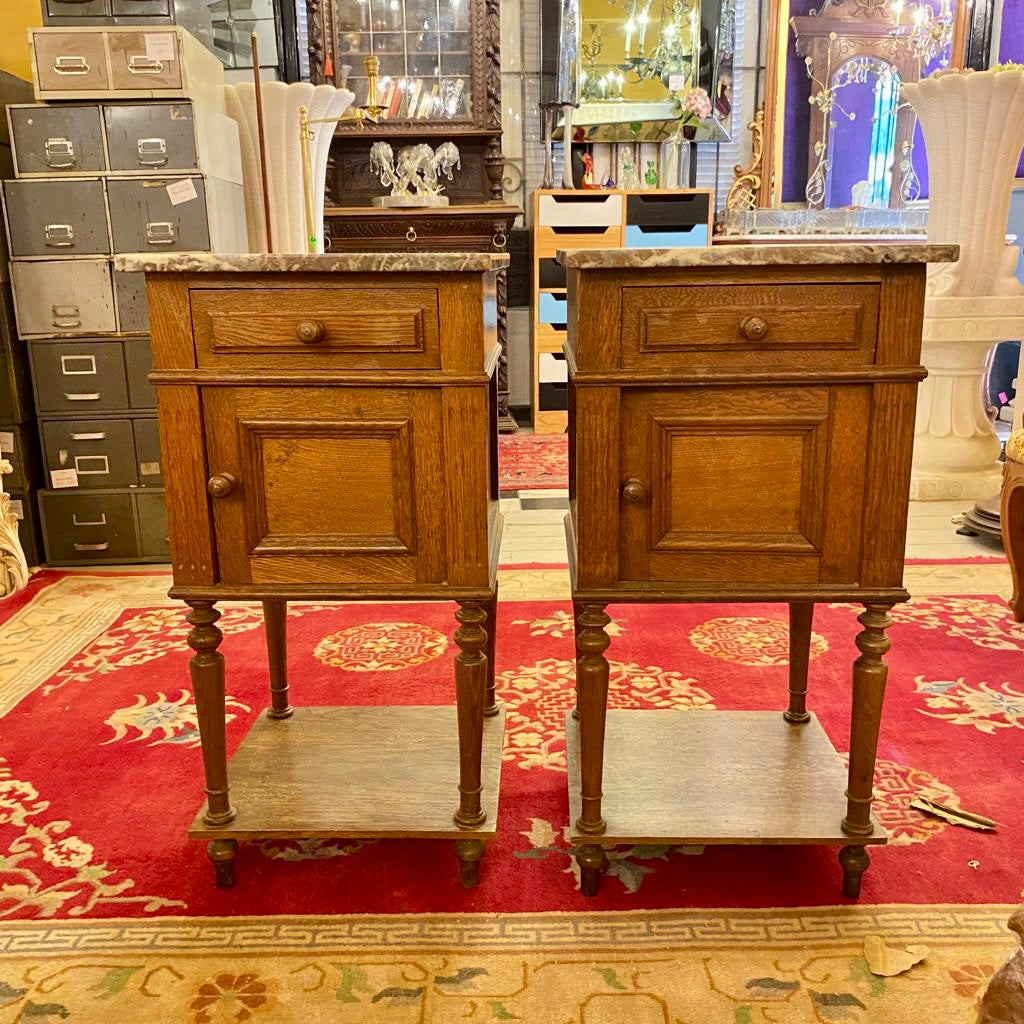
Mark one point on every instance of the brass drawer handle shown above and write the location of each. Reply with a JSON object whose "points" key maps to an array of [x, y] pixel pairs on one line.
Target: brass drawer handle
{"points": [[221, 485], [411, 235], [634, 491], [753, 328], [310, 332]]}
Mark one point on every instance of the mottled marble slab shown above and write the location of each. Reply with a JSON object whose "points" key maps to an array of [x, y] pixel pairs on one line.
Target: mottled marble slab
{"points": [[274, 263], [759, 255]]}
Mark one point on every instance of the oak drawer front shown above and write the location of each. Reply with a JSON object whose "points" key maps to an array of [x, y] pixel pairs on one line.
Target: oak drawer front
{"points": [[748, 326], [310, 328], [550, 339], [746, 484], [548, 241], [79, 376], [327, 485], [88, 527]]}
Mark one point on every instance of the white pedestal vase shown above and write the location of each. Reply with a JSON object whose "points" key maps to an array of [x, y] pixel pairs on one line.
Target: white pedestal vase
{"points": [[281, 104], [973, 127]]}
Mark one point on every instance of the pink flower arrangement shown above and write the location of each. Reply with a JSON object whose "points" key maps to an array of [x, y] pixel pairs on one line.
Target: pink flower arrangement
{"points": [[696, 104]]}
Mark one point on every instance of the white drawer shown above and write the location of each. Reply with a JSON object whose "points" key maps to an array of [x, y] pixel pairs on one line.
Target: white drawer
{"points": [[580, 209], [552, 368]]}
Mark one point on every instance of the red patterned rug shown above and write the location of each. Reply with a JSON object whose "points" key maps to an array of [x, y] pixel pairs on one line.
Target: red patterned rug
{"points": [[100, 771], [531, 462]]}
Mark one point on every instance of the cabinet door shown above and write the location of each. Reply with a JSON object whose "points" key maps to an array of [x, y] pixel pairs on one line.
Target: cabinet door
{"points": [[326, 485], [743, 485]]}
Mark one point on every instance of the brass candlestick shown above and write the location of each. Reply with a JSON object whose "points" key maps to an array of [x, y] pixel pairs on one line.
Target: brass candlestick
{"points": [[371, 110]]}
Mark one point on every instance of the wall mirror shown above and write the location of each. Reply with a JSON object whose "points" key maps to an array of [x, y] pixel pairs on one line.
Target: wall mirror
{"points": [[629, 63]]}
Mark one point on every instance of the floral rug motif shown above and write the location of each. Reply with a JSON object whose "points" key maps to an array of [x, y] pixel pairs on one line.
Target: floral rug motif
{"points": [[533, 462]]}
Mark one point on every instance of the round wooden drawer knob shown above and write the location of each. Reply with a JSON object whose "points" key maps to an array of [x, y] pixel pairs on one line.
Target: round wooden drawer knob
{"points": [[221, 485], [753, 328], [310, 332], [633, 491]]}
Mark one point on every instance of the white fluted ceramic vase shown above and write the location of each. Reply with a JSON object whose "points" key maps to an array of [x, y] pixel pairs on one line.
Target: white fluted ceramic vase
{"points": [[281, 104], [973, 126]]}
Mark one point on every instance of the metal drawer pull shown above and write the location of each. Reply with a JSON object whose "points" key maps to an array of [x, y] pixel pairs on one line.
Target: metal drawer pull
{"points": [[753, 328], [221, 485], [140, 64], [60, 153], [84, 396], [69, 64], [59, 236], [93, 547], [102, 521], [160, 232], [99, 436], [66, 317], [633, 491], [152, 152], [309, 332]]}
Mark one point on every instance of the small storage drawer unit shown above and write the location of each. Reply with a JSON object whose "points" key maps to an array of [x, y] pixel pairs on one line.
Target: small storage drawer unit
{"points": [[124, 63], [96, 527], [81, 377], [97, 12], [123, 138]]}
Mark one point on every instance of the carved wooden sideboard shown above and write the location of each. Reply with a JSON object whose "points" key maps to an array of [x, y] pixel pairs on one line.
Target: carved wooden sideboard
{"points": [[740, 425], [328, 426]]}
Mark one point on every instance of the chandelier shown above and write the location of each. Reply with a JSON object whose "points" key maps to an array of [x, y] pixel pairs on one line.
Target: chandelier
{"points": [[929, 33]]}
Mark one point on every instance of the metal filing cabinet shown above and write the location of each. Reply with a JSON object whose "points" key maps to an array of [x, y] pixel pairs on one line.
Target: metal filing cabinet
{"points": [[56, 218], [92, 453], [138, 359], [191, 14], [144, 217], [147, 453], [68, 297], [23, 505], [53, 139], [79, 377]]}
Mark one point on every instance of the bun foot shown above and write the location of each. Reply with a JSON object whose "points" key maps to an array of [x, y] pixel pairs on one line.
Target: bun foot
{"points": [[593, 862], [469, 852], [855, 861], [222, 854]]}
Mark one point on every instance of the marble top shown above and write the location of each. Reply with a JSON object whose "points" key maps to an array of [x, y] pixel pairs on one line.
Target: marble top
{"points": [[759, 255], [340, 262]]}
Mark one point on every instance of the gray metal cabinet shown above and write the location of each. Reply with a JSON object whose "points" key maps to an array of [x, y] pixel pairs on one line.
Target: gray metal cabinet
{"points": [[18, 445], [147, 453], [138, 357], [143, 218], [79, 376], [15, 386], [53, 140], [56, 218], [101, 452], [154, 542], [75, 9], [53, 297], [154, 137], [130, 300], [83, 527]]}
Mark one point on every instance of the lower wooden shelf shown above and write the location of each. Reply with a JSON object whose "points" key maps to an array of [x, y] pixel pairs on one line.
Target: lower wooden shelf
{"points": [[704, 777], [372, 772]]}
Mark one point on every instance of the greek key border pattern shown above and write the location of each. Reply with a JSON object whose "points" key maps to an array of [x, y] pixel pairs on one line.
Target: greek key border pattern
{"points": [[636, 930]]}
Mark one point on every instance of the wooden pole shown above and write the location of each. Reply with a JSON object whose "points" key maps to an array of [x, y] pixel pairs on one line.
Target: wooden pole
{"points": [[262, 140]]}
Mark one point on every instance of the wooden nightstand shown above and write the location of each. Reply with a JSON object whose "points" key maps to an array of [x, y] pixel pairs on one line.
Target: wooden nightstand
{"points": [[741, 422], [329, 429]]}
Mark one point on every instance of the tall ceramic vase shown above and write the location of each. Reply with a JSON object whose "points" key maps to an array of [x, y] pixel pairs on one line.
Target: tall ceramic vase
{"points": [[973, 126], [281, 104]]}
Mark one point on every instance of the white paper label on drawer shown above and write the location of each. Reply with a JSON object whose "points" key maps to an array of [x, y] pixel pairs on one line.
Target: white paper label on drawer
{"points": [[183, 191], [149, 468], [160, 46], [676, 83], [6, 441], [63, 478], [17, 508]]}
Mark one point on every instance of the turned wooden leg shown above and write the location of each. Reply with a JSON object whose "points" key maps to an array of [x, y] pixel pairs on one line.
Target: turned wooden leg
{"points": [[1011, 521], [207, 671], [869, 672], [222, 853], [593, 862], [592, 699], [576, 609], [801, 615], [491, 625], [274, 619], [469, 852], [470, 696], [855, 861]]}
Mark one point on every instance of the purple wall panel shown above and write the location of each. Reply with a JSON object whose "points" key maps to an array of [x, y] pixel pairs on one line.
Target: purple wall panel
{"points": [[1011, 44]]}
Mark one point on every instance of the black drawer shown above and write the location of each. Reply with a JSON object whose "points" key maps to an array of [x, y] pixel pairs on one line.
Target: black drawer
{"points": [[100, 453], [668, 211], [79, 376], [88, 528], [553, 397], [551, 274]]}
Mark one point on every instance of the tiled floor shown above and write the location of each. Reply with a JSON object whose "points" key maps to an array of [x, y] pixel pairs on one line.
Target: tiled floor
{"points": [[537, 536]]}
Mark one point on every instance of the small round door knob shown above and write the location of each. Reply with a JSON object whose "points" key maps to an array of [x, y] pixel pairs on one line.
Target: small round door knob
{"points": [[633, 491], [753, 328], [221, 484], [309, 332]]}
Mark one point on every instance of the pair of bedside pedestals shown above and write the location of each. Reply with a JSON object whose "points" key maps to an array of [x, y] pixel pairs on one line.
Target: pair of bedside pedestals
{"points": [[740, 429]]}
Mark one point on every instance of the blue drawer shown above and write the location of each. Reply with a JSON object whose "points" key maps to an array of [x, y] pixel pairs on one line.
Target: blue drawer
{"points": [[553, 308], [678, 238]]}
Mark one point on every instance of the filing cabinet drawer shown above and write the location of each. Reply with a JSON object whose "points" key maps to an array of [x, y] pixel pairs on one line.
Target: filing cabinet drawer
{"points": [[143, 218], [75, 9], [51, 140], [550, 240], [100, 452], [130, 303], [307, 328], [132, 67], [56, 218], [138, 357], [823, 323], [65, 297], [147, 453], [69, 65], [79, 376], [15, 382], [19, 447], [140, 8], [88, 528], [580, 210], [151, 509]]}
